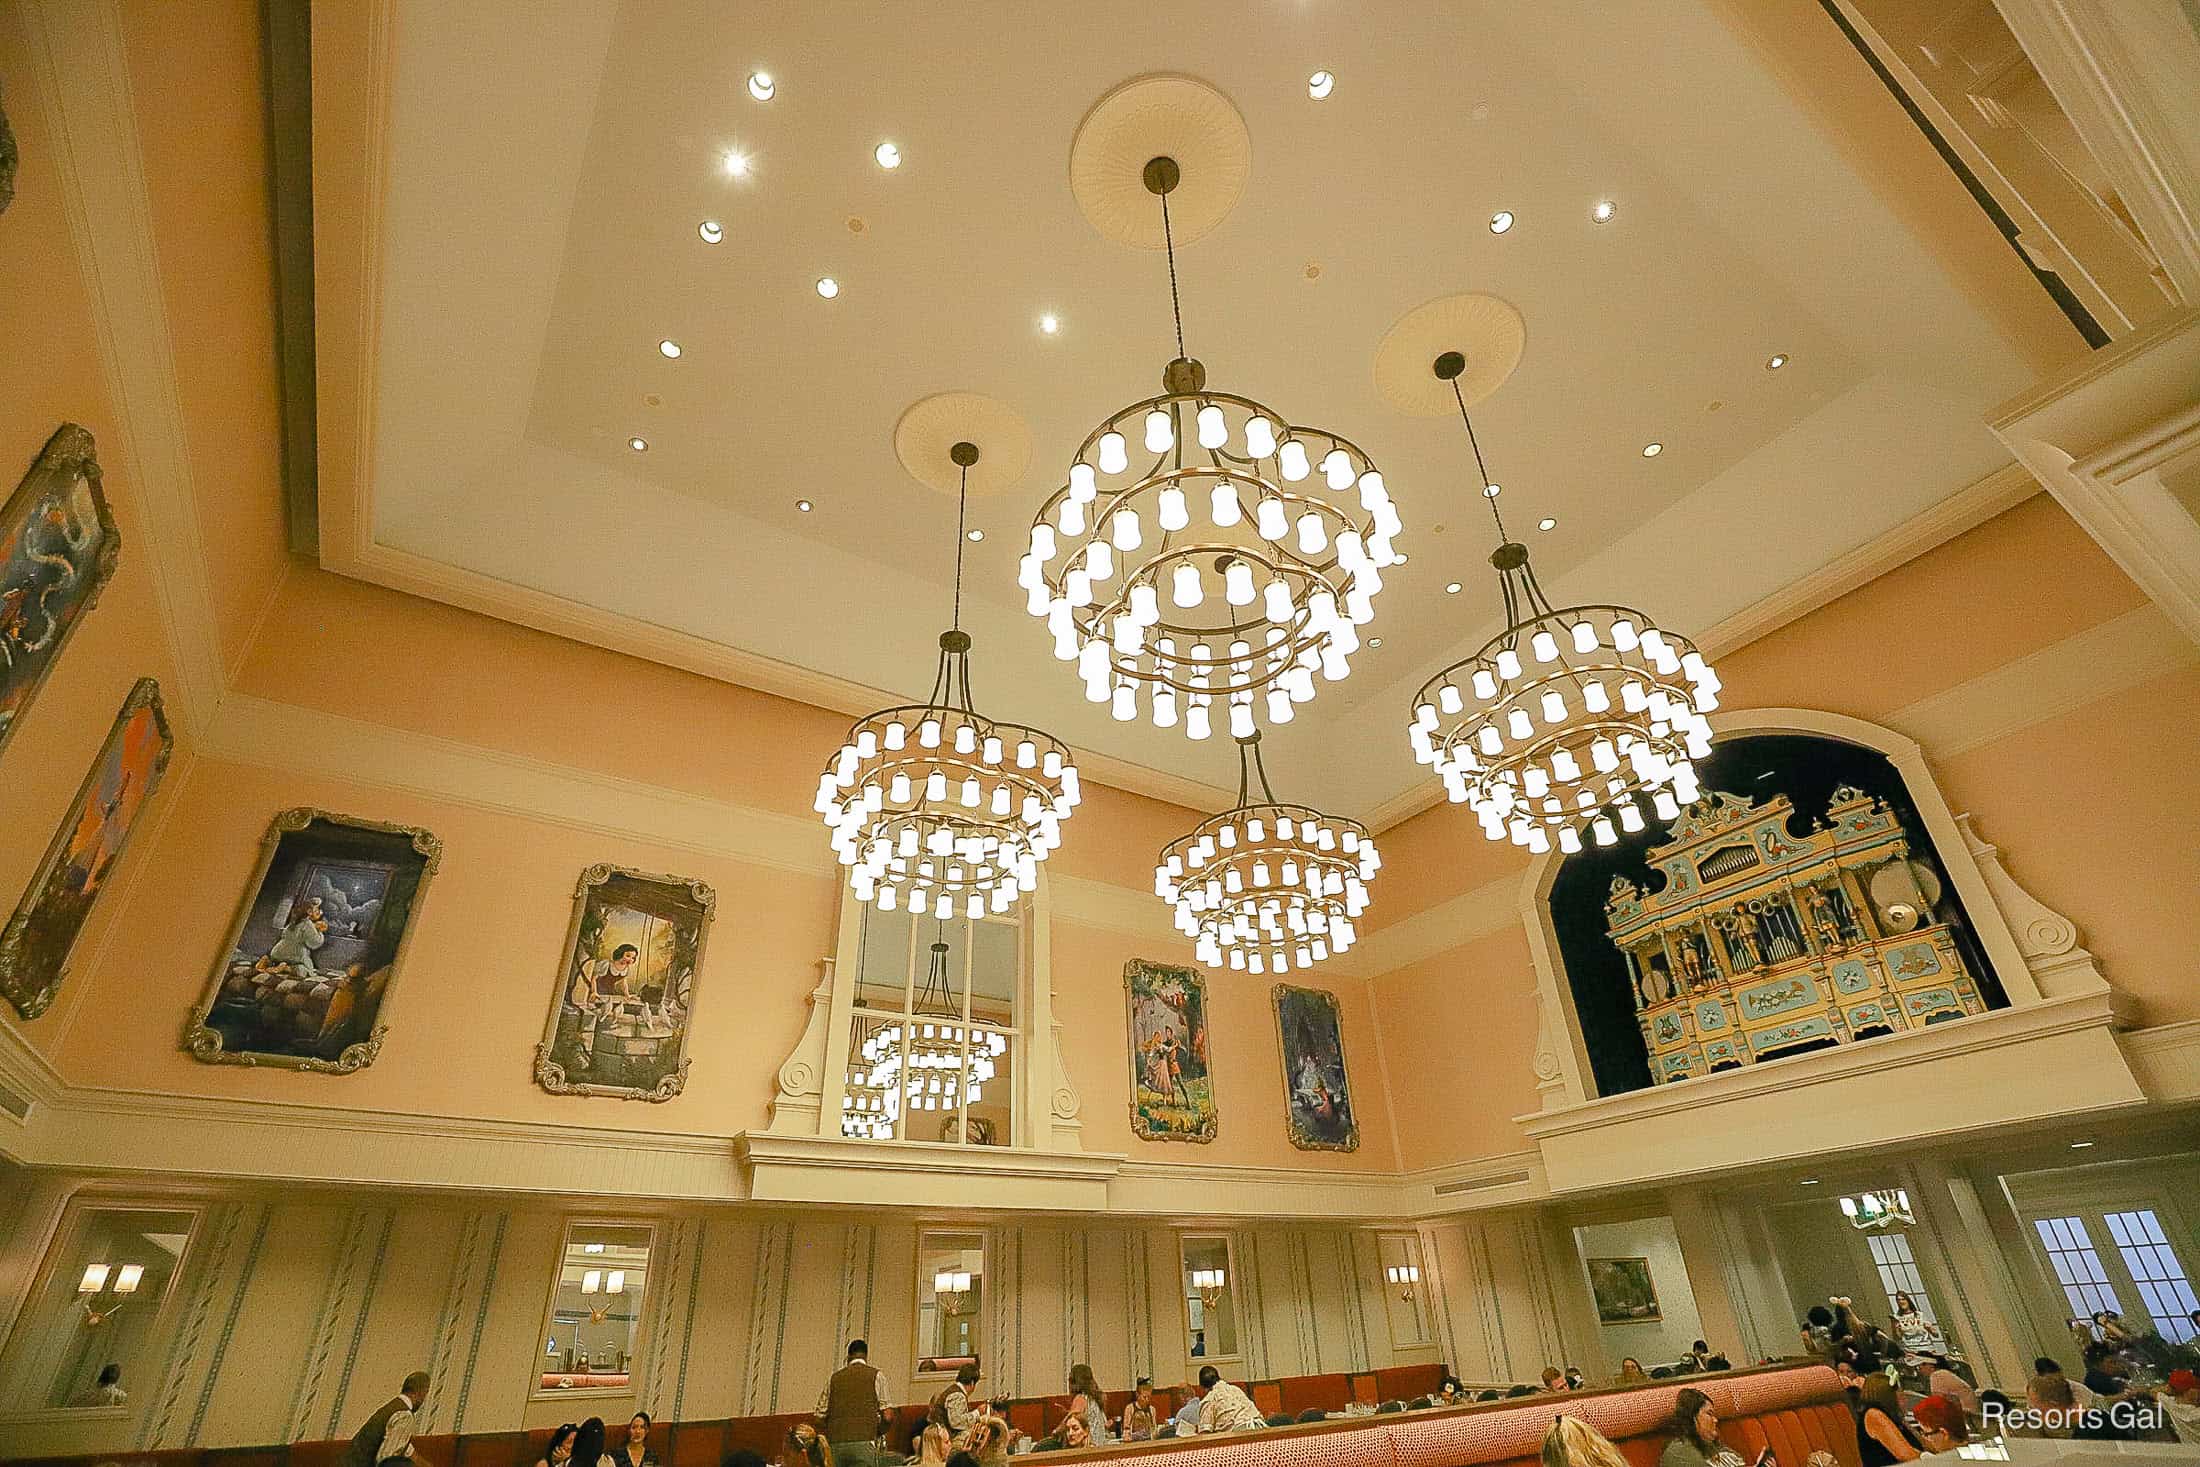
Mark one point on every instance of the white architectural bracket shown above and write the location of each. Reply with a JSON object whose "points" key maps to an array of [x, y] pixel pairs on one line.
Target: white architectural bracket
{"points": [[798, 1094], [2047, 939]]}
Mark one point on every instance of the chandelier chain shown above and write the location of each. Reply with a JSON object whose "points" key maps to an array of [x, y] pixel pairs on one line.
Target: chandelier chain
{"points": [[962, 507], [1479, 467], [1250, 764], [1176, 305]]}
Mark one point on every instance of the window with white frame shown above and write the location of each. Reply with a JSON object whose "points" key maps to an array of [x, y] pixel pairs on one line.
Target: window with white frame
{"points": [[2164, 1288], [593, 1328], [1898, 1275], [934, 1038], [84, 1342], [2077, 1267], [1209, 1271]]}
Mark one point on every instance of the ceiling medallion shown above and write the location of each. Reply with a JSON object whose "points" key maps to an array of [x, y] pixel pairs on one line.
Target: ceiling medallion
{"points": [[937, 808], [1267, 886], [1570, 717], [1234, 559]]}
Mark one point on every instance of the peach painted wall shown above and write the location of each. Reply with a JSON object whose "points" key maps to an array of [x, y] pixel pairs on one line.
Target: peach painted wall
{"points": [[50, 373], [2095, 809], [1246, 1053], [208, 187]]}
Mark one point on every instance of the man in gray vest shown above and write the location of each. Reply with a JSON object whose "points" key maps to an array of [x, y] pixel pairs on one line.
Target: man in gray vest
{"points": [[388, 1434], [851, 1411]]}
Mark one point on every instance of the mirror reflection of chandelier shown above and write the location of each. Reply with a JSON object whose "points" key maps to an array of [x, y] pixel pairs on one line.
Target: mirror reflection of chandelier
{"points": [[930, 1061], [1881, 1208], [1267, 886], [1209, 1283], [952, 1289], [937, 808], [95, 1282], [1569, 718], [1207, 553]]}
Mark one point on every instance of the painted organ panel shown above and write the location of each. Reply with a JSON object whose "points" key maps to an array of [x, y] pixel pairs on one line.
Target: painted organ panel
{"points": [[1759, 943]]}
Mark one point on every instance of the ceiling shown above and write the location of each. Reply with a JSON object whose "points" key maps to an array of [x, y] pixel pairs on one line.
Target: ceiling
{"points": [[547, 166]]}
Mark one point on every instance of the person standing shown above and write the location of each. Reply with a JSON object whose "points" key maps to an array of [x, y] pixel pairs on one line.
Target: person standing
{"points": [[851, 1410], [387, 1435], [1082, 1383]]}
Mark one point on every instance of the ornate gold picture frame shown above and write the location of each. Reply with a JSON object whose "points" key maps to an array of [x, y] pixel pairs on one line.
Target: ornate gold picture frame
{"points": [[1172, 1065], [1317, 1095], [304, 978], [58, 550], [37, 941], [625, 999]]}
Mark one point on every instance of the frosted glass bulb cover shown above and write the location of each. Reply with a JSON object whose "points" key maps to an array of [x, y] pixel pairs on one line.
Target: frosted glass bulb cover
{"points": [[1114, 457], [1170, 510], [1214, 429], [1222, 504], [1270, 520], [1160, 431], [1292, 460], [1185, 589], [1260, 437]]}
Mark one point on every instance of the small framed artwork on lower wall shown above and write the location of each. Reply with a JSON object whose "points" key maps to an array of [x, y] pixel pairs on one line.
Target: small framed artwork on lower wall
{"points": [[1623, 1291]]}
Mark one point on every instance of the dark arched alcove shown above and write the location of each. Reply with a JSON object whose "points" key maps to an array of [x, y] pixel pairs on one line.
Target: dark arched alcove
{"points": [[1807, 769]]}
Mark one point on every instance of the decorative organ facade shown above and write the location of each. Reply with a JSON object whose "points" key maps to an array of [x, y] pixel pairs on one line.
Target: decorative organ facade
{"points": [[1760, 943]]}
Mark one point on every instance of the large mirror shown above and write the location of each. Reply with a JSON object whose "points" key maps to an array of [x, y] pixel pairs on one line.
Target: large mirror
{"points": [[594, 1328], [950, 1300], [85, 1342], [1210, 1296]]}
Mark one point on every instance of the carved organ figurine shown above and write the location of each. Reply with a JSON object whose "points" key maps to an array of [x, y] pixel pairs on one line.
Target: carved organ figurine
{"points": [[1759, 943]]}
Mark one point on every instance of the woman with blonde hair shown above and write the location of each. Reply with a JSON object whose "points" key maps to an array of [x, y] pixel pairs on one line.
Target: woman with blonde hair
{"points": [[1573, 1442], [933, 1445]]}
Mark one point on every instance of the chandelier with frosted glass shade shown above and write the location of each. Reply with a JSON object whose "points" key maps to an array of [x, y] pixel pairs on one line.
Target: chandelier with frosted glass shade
{"points": [[1206, 561], [921, 1062], [1569, 720], [935, 808], [1267, 886]]}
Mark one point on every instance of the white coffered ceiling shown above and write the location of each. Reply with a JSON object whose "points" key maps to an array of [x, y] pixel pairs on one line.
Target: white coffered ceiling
{"points": [[547, 165]]}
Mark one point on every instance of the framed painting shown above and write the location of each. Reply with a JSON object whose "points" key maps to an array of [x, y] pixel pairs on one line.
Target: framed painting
{"points": [[58, 549], [1317, 1098], [1623, 1290], [305, 975], [619, 1023], [35, 945], [1172, 1083]]}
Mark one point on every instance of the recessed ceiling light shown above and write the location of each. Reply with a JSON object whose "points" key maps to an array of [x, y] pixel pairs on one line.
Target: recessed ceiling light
{"points": [[1501, 221], [2082, 1145], [1050, 324], [1776, 361], [1602, 211], [669, 347], [639, 445], [888, 155], [1321, 84], [827, 286], [761, 85], [712, 231], [1491, 491], [976, 535], [1652, 450], [1546, 523], [1810, 1181], [1451, 588], [1374, 641], [736, 164], [804, 505]]}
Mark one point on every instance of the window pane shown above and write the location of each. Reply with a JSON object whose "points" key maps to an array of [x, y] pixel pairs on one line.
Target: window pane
{"points": [[950, 1297], [1210, 1298], [1919, 1325], [995, 961], [871, 1102], [596, 1309], [2164, 1291], [988, 1115], [84, 1342], [2077, 1267], [882, 969]]}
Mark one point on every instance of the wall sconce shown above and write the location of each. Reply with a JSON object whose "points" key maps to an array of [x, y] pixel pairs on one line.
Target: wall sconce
{"points": [[615, 1283], [1882, 1208], [1209, 1283], [94, 1282], [127, 1277], [95, 1278], [1405, 1276], [592, 1281], [951, 1289]]}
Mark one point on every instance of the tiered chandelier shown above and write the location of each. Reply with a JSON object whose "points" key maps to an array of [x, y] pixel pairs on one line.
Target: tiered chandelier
{"points": [[1223, 570], [1569, 718], [936, 808], [1267, 886], [931, 1060]]}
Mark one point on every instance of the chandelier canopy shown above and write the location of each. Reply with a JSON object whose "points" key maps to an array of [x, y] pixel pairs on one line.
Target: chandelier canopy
{"points": [[935, 807], [1268, 886], [1206, 552], [1568, 719], [931, 1060]]}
